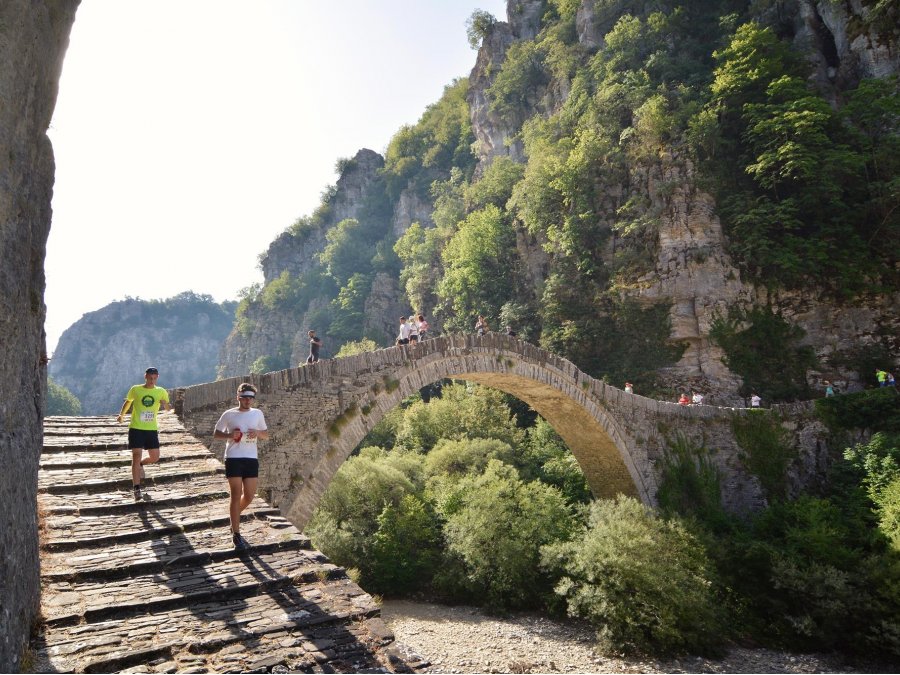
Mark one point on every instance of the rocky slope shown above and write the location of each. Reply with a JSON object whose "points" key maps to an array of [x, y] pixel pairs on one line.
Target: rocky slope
{"points": [[691, 270], [105, 352]]}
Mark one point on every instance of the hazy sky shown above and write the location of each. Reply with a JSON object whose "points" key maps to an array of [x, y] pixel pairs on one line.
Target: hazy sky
{"points": [[189, 134]]}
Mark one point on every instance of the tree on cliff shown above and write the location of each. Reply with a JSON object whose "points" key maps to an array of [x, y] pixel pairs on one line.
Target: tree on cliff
{"points": [[61, 401]]}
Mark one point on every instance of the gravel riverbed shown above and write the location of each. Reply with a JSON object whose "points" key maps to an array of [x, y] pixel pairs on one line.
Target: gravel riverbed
{"points": [[462, 639]]}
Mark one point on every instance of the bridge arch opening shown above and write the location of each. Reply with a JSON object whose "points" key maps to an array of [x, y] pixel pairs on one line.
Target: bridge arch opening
{"points": [[569, 401]]}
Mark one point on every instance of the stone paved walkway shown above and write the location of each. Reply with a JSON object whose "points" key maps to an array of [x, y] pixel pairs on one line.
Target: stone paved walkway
{"points": [[156, 586]]}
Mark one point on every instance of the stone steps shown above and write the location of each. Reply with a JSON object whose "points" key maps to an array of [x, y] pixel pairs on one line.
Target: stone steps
{"points": [[63, 479], [153, 556], [156, 585], [148, 520], [92, 458], [184, 583], [204, 486]]}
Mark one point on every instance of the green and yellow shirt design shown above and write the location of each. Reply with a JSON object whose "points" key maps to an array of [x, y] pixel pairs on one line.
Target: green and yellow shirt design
{"points": [[145, 405]]}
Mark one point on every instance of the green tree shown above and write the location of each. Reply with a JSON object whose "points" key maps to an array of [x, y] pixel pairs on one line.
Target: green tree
{"points": [[645, 583], [497, 525], [479, 26], [480, 269], [348, 251], [60, 401], [406, 547], [356, 347]]}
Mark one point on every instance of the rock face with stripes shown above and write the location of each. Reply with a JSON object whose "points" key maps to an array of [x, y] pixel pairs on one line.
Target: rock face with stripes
{"points": [[156, 585], [318, 414]]}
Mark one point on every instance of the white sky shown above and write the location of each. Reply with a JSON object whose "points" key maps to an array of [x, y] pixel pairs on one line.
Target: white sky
{"points": [[189, 134]]}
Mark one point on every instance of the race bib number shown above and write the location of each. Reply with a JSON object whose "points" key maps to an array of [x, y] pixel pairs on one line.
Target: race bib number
{"points": [[147, 416]]}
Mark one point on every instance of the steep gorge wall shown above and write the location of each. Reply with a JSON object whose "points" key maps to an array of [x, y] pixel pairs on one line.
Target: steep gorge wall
{"points": [[33, 40]]}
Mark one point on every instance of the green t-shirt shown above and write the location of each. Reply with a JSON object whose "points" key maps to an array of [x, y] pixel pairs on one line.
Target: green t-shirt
{"points": [[145, 405]]}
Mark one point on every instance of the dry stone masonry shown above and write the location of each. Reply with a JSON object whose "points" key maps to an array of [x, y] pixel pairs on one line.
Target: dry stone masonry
{"points": [[318, 414], [156, 586]]}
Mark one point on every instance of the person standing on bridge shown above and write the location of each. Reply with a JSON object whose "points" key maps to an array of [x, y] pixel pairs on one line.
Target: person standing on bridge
{"points": [[143, 431], [315, 344], [241, 428]]}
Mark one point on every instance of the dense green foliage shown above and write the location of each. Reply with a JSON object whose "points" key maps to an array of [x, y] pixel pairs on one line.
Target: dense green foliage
{"points": [[690, 484], [816, 572], [767, 450], [461, 504], [60, 401], [456, 504], [766, 351], [644, 581], [876, 410], [807, 193]]}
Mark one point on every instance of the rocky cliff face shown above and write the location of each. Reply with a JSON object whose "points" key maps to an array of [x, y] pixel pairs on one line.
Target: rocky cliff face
{"points": [[33, 40], [693, 271], [105, 352], [295, 251]]}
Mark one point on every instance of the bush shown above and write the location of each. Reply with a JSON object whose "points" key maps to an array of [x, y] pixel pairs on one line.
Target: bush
{"points": [[645, 583], [356, 347], [346, 519], [461, 412], [548, 459], [496, 524], [877, 410], [813, 577], [457, 458], [406, 548], [878, 462], [690, 484], [767, 450]]}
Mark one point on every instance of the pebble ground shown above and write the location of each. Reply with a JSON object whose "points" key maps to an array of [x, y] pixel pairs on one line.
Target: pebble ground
{"points": [[442, 639]]}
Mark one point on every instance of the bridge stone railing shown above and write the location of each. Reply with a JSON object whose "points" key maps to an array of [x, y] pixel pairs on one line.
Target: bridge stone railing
{"points": [[317, 414]]}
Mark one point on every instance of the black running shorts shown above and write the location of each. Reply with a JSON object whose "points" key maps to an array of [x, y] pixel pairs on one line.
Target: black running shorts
{"points": [[143, 439], [242, 467]]}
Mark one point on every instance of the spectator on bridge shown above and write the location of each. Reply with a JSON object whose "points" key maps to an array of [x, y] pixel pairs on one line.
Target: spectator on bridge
{"points": [[684, 400], [241, 427], [403, 335], [315, 344], [423, 327], [697, 398], [755, 400], [629, 388], [413, 329], [481, 326], [143, 431], [510, 331]]}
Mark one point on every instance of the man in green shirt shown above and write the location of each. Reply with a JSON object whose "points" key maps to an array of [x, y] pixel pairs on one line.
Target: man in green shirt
{"points": [[882, 376], [143, 432]]}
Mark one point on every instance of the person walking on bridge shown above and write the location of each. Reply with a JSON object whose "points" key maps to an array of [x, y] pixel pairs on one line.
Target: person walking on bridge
{"points": [[143, 431], [241, 427]]}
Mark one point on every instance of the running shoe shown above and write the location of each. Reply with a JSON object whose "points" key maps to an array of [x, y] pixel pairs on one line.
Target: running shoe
{"points": [[240, 544], [137, 493]]}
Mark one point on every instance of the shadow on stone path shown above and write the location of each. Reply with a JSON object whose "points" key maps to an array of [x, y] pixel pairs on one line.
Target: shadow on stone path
{"points": [[156, 586]]}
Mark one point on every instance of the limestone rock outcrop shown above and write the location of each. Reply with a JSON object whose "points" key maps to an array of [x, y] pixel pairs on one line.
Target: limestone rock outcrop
{"points": [[105, 352], [33, 39]]}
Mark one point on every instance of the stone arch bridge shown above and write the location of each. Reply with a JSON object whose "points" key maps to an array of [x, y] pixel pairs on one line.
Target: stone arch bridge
{"points": [[317, 414]]}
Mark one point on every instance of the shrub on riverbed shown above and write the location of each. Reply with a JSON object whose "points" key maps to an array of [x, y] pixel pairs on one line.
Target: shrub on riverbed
{"points": [[644, 582]]}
